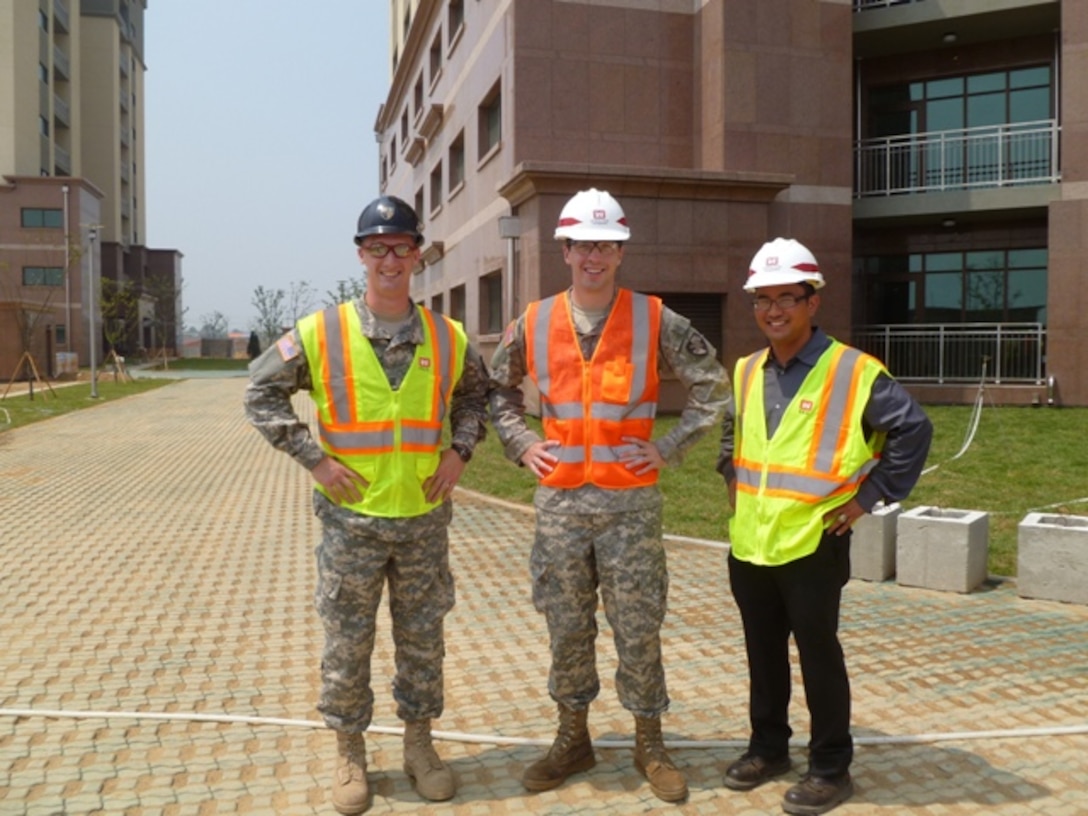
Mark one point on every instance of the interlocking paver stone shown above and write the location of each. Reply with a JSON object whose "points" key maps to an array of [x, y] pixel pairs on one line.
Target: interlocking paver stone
{"points": [[156, 556]]}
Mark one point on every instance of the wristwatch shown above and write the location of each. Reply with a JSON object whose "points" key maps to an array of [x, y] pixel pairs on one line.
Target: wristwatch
{"points": [[462, 450]]}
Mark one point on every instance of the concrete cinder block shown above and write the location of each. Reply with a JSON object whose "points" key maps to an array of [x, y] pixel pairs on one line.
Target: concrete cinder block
{"points": [[940, 548], [872, 544], [1052, 557]]}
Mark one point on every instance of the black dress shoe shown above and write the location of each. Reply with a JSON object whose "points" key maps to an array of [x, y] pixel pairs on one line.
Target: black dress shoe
{"points": [[817, 794], [750, 771]]}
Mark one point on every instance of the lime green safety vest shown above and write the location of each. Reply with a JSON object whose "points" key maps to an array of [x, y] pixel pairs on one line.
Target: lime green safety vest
{"points": [[390, 438], [815, 461]]}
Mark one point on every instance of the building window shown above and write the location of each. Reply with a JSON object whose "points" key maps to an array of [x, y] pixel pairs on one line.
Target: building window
{"points": [[976, 286], [457, 162], [491, 303], [456, 20], [436, 303], [489, 121], [419, 203], [61, 334], [436, 188], [436, 57], [404, 126], [43, 276], [43, 125], [43, 21], [417, 95], [36, 218], [457, 303], [393, 152], [43, 73], [971, 130]]}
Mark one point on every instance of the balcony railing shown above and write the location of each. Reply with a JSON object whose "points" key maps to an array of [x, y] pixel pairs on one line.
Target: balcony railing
{"points": [[989, 156], [863, 5], [960, 352]]}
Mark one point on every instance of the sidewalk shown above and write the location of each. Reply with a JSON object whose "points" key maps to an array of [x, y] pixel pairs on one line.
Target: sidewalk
{"points": [[156, 557]]}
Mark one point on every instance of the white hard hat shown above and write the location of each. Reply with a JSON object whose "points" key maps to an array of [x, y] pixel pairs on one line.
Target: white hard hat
{"points": [[592, 215], [782, 261]]}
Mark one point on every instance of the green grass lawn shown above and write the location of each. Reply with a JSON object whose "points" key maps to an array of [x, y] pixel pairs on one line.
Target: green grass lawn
{"points": [[22, 410], [205, 364], [1021, 459]]}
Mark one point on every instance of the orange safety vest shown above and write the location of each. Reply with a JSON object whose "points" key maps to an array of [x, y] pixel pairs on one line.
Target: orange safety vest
{"points": [[588, 406]]}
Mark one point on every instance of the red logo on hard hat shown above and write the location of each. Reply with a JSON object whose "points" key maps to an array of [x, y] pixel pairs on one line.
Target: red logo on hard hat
{"points": [[599, 215]]}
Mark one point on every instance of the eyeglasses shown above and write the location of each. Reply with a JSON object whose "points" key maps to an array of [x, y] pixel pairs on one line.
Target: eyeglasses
{"points": [[606, 248], [783, 302], [381, 250]]}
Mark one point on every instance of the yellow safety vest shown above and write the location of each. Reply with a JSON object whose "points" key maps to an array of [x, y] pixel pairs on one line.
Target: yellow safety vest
{"points": [[815, 461], [390, 438]]}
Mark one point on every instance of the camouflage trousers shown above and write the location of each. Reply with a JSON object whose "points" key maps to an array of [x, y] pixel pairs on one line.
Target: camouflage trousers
{"points": [[621, 553], [356, 557]]}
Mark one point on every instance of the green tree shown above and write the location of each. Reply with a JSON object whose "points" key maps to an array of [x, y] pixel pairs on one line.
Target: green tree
{"points": [[120, 305], [271, 313], [345, 290]]}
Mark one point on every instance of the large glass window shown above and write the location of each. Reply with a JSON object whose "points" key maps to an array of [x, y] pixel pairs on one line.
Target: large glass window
{"points": [[979, 286], [36, 217], [973, 130], [43, 276]]}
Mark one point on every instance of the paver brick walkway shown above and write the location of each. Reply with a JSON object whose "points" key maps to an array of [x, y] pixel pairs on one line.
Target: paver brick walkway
{"points": [[156, 560]]}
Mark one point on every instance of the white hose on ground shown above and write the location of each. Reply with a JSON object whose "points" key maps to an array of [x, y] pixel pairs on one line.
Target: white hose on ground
{"points": [[491, 739], [972, 427]]}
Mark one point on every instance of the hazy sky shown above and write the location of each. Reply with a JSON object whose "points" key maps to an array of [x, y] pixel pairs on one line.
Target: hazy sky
{"points": [[259, 139]]}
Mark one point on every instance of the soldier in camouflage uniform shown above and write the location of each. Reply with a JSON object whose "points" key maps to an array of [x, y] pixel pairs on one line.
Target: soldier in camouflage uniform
{"points": [[382, 486], [598, 505]]}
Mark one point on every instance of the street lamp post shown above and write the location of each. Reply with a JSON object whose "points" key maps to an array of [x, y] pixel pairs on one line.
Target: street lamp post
{"points": [[93, 304]]}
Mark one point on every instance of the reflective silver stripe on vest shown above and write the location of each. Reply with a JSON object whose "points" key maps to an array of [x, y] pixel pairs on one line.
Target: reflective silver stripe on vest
{"points": [[334, 350], [443, 343], [804, 485], [835, 412], [356, 440], [640, 342], [560, 410], [420, 436], [750, 367], [570, 455], [540, 344]]}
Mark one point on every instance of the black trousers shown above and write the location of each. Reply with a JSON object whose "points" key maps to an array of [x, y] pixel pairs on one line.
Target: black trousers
{"points": [[801, 597]]}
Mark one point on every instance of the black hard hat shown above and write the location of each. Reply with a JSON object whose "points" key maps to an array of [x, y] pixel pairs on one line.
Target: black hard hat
{"points": [[388, 215]]}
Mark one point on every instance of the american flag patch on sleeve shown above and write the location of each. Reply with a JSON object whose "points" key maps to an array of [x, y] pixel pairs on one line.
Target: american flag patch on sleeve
{"points": [[287, 347]]}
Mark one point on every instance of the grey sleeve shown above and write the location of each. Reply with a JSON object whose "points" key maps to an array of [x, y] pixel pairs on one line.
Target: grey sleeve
{"points": [[893, 411]]}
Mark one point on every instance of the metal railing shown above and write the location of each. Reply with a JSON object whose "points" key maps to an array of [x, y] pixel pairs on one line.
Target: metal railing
{"points": [[989, 156], [956, 352], [862, 5]]}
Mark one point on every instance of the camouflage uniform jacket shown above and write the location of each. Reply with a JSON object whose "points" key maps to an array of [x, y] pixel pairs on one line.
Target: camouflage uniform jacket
{"points": [[681, 350], [282, 370]]}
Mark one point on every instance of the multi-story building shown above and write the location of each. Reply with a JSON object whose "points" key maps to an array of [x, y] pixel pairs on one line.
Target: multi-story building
{"points": [[71, 201], [932, 153]]}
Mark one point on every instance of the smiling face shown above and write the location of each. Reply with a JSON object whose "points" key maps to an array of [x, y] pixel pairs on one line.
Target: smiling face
{"points": [[389, 277], [593, 266], [787, 329]]}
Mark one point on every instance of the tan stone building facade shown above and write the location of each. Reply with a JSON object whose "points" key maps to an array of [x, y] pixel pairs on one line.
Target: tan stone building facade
{"points": [[931, 154], [72, 187]]}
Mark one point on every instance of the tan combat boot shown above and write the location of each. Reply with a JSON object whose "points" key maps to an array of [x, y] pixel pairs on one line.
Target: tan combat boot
{"points": [[432, 777], [652, 761], [350, 794], [571, 752]]}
